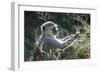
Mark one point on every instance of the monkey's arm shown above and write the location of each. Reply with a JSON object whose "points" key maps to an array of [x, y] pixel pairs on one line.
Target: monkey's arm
{"points": [[55, 43], [67, 37], [70, 41], [58, 43]]}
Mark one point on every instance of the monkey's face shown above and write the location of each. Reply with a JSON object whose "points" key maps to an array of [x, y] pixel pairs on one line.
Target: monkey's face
{"points": [[53, 30], [50, 28]]}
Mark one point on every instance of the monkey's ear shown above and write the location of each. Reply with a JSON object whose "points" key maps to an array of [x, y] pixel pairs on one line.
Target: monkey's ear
{"points": [[43, 28]]}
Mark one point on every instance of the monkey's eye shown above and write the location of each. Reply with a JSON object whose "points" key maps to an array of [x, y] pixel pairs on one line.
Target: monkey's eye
{"points": [[54, 30]]}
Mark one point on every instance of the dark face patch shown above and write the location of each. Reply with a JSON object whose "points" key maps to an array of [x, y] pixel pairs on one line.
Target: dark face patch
{"points": [[54, 30]]}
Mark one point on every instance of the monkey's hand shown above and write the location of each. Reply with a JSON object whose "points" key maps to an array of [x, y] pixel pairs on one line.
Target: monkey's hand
{"points": [[77, 36], [70, 41]]}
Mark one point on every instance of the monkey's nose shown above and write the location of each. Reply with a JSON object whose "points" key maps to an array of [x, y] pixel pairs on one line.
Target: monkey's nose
{"points": [[54, 30]]}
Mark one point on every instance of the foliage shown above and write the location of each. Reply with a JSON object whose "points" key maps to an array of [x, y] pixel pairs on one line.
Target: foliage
{"points": [[67, 23]]}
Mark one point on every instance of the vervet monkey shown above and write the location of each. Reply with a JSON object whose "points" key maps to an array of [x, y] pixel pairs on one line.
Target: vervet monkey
{"points": [[49, 37]]}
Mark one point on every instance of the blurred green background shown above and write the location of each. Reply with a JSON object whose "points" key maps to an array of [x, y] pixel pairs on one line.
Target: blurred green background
{"points": [[67, 23]]}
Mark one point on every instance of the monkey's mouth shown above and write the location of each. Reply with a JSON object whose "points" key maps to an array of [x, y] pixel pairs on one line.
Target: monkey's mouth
{"points": [[55, 33]]}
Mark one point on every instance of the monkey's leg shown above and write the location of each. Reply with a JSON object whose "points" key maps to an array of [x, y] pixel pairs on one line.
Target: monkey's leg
{"points": [[41, 49], [37, 54], [59, 55], [52, 55]]}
